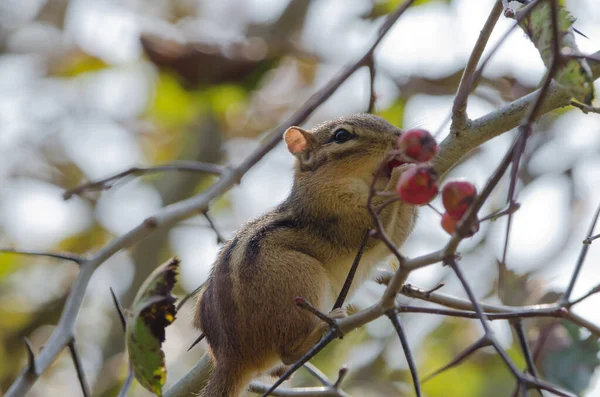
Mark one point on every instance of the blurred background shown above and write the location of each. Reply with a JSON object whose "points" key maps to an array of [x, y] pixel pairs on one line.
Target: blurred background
{"points": [[92, 87]]}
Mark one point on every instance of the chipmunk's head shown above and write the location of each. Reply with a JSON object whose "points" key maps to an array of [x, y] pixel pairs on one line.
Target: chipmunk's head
{"points": [[354, 145]]}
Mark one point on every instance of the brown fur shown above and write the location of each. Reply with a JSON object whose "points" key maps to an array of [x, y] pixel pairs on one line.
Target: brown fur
{"points": [[304, 247]]}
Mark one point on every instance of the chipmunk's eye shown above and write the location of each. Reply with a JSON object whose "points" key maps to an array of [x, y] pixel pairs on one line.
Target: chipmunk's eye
{"points": [[342, 136]]}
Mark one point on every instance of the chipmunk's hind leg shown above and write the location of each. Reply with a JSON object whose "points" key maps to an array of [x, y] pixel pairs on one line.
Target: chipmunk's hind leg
{"points": [[290, 355]]}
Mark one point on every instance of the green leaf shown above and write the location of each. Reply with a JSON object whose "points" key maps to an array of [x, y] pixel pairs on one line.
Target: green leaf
{"points": [[152, 311], [574, 74], [572, 361]]}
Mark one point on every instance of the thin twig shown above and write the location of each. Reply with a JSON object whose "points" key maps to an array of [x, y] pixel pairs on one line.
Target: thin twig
{"points": [[220, 238], [591, 292], [582, 254], [500, 213], [516, 160], [79, 368], [585, 108], [339, 302], [519, 313], [328, 338], [306, 305], [481, 343], [590, 239], [188, 296], [318, 374], [179, 166], [372, 96], [520, 331], [435, 209], [127, 382], [261, 388], [407, 352], [459, 108], [58, 255], [541, 310]]}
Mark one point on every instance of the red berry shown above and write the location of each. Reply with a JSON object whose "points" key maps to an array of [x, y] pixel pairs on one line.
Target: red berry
{"points": [[457, 196], [448, 223], [417, 144], [418, 185]]}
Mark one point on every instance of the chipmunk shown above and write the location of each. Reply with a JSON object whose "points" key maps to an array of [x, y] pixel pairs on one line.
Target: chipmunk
{"points": [[304, 247]]}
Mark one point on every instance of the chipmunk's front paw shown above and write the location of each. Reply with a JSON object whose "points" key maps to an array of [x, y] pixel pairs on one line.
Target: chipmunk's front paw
{"points": [[396, 172], [338, 313]]}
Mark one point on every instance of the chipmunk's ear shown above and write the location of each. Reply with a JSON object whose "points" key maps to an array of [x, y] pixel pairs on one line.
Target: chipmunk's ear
{"points": [[298, 140]]}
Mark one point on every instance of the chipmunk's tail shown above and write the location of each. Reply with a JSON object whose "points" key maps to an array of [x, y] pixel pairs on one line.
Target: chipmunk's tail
{"points": [[226, 381]]}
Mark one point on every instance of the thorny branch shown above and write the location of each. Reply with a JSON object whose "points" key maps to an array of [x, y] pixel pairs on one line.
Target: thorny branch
{"points": [[108, 182], [67, 256], [465, 137]]}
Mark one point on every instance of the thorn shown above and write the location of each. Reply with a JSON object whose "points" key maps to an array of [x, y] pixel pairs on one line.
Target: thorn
{"points": [[483, 342], [30, 357], [196, 342], [580, 33], [119, 308], [79, 369], [220, 238], [431, 291]]}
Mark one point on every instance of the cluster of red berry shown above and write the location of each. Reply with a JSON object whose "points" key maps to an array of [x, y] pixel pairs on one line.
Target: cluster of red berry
{"points": [[419, 185]]}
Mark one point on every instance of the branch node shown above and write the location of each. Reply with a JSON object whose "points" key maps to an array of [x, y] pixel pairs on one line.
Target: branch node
{"points": [[306, 305], [151, 222], [341, 375]]}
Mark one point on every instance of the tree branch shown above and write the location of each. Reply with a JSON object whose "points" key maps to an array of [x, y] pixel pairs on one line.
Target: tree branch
{"points": [[481, 130], [261, 388], [179, 166], [582, 254], [407, 352], [459, 108], [58, 255]]}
